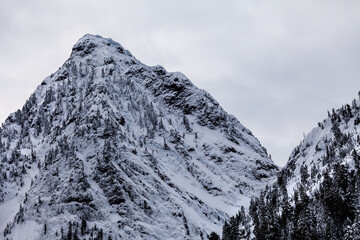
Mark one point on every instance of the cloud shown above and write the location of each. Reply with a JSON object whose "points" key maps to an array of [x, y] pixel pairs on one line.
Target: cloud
{"points": [[278, 66]]}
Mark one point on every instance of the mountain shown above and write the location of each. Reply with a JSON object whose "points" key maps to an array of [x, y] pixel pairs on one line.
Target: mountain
{"points": [[317, 193], [109, 148]]}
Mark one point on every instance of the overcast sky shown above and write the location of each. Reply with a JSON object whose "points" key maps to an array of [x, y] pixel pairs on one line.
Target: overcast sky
{"points": [[278, 66]]}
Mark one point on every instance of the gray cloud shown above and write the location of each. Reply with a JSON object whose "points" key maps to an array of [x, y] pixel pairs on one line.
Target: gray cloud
{"points": [[276, 65]]}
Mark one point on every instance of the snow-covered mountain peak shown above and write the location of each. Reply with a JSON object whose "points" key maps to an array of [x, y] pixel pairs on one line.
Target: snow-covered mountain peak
{"points": [[101, 51], [92, 42], [130, 149]]}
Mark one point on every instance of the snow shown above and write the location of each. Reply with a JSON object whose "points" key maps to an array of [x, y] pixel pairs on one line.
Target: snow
{"points": [[26, 231], [9, 208]]}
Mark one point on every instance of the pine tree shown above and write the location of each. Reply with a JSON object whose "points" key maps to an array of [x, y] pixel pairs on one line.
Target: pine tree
{"points": [[356, 159], [226, 234], [69, 234], [214, 236], [349, 233], [304, 175]]}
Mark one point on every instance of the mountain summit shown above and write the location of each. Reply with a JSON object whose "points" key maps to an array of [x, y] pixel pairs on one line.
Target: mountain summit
{"points": [[109, 148]]}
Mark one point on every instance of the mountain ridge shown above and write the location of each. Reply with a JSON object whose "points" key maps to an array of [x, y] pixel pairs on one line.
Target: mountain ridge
{"points": [[316, 194]]}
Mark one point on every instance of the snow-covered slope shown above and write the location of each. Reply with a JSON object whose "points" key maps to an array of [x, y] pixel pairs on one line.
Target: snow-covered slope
{"points": [[108, 147], [332, 141], [316, 195]]}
